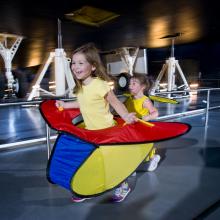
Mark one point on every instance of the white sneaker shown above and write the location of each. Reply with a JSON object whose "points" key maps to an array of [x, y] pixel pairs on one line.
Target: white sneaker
{"points": [[134, 174], [153, 162]]}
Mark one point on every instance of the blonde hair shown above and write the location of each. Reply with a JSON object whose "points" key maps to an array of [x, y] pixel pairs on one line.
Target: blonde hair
{"points": [[92, 56]]}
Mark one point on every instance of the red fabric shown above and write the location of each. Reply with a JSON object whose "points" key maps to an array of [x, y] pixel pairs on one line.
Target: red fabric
{"points": [[119, 134]]}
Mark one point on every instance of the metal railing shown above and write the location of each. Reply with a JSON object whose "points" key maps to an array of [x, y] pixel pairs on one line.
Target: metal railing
{"points": [[48, 138], [198, 111]]}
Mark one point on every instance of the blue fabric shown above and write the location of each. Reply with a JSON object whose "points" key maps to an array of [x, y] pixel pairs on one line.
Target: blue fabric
{"points": [[68, 155]]}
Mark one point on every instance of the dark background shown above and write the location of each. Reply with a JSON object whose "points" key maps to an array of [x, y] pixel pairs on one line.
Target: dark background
{"points": [[142, 23]]}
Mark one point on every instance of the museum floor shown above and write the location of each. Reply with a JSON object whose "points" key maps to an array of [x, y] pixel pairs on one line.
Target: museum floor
{"points": [[184, 186]]}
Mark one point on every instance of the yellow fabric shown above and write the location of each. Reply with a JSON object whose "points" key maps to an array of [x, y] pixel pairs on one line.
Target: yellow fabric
{"points": [[107, 167], [150, 155], [136, 105], [90, 177], [93, 106], [163, 99]]}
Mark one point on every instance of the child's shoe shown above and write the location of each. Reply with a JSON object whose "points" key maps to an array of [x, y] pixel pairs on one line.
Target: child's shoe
{"points": [[78, 199], [121, 192], [153, 163], [134, 174]]}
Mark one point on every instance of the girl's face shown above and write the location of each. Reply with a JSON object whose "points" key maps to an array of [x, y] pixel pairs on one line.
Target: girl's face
{"points": [[81, 68], [135, 86]]}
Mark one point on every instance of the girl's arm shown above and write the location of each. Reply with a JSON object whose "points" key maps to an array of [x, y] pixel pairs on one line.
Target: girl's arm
{"points": [[153, 112], [62, 104], [120, 108]]}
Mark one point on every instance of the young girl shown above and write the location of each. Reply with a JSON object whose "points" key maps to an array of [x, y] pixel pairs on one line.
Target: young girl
{"points": [[144, 108], [93, 98]]}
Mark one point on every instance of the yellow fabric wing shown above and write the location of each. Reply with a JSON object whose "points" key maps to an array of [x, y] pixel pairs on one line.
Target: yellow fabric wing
{"points": [[107, 167]]}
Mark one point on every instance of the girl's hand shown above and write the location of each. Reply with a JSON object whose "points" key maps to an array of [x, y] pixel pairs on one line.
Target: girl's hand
{"points": [[130, 118], [60, 105], [146, 118]]}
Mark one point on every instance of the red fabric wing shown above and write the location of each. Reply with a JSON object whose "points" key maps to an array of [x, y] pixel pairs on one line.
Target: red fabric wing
{"points": [[119, 134]]}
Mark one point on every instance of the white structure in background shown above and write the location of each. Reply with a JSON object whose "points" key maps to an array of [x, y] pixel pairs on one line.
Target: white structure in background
{"points": [[127, 59], [8, 54], [123, 61], [62, 70], [63, 74], [170, 68]]}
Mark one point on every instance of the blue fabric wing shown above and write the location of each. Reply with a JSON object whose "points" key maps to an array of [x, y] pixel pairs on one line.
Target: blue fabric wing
{"points": [[68, 155]]}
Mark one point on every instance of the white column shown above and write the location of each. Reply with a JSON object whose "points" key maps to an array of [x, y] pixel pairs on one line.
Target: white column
{"points": [[60, 71]]}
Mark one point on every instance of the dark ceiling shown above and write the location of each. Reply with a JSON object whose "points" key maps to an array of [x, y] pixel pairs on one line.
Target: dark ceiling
{"points": [[141, 23]]}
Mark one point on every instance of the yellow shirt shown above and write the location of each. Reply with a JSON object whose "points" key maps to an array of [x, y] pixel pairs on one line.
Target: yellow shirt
{"points": [[93, 105], [136, 105]]}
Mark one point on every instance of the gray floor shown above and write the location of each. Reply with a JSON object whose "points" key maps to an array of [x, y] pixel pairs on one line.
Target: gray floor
{"points": [[184, 186]]}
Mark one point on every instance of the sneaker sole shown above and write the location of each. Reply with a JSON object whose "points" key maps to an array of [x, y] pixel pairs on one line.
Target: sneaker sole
{"points": [[78, 201]]}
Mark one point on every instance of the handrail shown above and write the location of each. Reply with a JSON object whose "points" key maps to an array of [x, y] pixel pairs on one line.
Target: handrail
{"points": [[191, 90], [48, 137], [34, 102]]}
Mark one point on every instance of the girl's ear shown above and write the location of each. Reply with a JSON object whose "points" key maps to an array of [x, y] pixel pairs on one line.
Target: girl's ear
{"points": [[143, 87], [93, 68]]}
